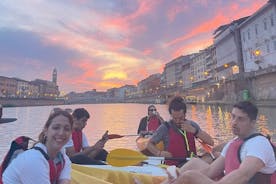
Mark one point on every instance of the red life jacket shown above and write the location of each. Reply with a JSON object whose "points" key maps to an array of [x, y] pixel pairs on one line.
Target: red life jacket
{"points": [[153, 123], [231, 158], [233, 161], [177, 145], [55, 166], [77, 140]]}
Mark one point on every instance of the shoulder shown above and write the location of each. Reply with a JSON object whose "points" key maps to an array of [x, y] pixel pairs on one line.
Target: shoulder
{"points": [[144, 119], [23, 160], [69, 143], [194, 124], [259, 140], [260, 147], [225, 148], [165, 125]]}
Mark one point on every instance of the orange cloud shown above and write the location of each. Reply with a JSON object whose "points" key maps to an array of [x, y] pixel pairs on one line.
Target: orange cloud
{"points": [[108, 85], [114, 75]]}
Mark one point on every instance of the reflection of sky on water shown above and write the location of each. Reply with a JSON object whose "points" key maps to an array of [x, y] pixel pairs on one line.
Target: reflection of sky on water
{"points": [[124, 119]]}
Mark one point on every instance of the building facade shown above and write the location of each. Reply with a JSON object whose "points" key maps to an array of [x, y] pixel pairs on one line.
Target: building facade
{"points": [[258, 38]]}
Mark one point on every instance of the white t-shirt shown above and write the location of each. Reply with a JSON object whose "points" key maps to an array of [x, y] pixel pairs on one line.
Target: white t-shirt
{"points": [[70, 143], [31, 167], [258, 147]]}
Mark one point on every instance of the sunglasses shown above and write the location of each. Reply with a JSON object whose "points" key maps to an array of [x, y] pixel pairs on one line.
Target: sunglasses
{"points": [[152, 110]]}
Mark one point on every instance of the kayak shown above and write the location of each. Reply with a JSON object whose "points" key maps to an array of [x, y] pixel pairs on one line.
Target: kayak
{"points": [[106, 174], [7, 120], [142, 142]]}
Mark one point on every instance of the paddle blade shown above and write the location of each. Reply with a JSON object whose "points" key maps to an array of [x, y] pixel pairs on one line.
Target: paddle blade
{"points": [[124, 157], [206, 147], [114, 136]]}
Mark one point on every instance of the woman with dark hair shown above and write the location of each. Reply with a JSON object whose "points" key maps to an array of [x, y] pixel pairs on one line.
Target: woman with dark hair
{"points": [[47, 161], [150, 122]]}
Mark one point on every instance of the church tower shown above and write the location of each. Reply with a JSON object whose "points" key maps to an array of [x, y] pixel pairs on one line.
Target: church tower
{"points": [[54, 77]]}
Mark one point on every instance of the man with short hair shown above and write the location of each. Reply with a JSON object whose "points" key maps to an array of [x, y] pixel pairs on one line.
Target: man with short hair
{"points": [[178, 135], [247, 159], [78, 148]]}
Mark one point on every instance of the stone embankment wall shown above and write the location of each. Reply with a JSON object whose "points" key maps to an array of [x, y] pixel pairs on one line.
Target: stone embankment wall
{"points": [[29, 102], [259, 86]]}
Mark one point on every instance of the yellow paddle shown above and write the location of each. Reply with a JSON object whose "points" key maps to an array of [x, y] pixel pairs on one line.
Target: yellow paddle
{"points": [[126, 157]]}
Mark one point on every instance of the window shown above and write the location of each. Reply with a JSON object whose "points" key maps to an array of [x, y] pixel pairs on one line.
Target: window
{"points": [[267, 47], [265, 24], [248, 34], [243, 36], [256, 29], [271, 20]]}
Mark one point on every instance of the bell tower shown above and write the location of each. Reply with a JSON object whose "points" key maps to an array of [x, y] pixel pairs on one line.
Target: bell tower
{"points": [[54, 76]]}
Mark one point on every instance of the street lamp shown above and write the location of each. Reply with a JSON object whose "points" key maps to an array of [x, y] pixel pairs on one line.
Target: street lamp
{"points": [[257, 52]]}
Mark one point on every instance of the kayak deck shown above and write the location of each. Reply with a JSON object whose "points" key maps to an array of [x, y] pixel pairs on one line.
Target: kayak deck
{"points": [[117, 175]]}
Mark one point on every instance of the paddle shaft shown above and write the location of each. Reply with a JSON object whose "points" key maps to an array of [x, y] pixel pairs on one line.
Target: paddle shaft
{"points": [[207, 148], [149, 158]]}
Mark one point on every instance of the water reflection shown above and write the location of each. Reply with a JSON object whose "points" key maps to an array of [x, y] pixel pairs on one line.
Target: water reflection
{"points": [[124, 119]]}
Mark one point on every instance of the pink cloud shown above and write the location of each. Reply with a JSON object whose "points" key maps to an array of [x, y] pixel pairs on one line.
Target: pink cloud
{"points": [[147, 51], [224, 16]]}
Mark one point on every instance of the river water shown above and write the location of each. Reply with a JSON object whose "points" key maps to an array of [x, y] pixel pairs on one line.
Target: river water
{"points": [[124, 119]]}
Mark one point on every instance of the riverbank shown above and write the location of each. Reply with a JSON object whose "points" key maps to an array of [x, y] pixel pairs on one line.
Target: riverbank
{"points": [[260, 103], [22, 102]]}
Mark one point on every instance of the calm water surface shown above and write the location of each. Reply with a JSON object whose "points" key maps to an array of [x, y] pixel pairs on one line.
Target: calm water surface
{"points": [[123, 119]]}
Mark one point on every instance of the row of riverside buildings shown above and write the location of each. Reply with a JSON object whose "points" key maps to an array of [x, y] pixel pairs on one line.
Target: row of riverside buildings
{"points": [[240, 63], [19, 88]]}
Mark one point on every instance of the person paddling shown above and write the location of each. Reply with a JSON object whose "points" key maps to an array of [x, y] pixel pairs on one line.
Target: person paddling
{"points": [[151, 122], [178, 134], [78, 148], [46, 162]]}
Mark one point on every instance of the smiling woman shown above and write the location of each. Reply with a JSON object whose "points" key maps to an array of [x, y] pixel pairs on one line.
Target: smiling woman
{"points": [[49, 164]]}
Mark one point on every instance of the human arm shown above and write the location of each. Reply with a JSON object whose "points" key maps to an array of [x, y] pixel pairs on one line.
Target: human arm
{"points": [[194, 128], [30, 167], [155, 151], [142, 125], [248, 168], [86, 150], [158, 136]]}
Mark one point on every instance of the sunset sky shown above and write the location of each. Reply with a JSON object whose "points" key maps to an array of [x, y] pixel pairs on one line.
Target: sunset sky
{"points": [[101, 44]]}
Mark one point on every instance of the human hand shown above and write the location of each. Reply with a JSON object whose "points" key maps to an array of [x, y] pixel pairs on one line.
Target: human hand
{"points": [[172, 173], [186, 125], [165, 154]]}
